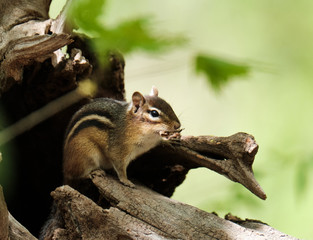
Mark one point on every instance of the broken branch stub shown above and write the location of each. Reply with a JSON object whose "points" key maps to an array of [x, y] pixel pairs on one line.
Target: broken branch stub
{"points": [[231, 156], [165, 167], [27, 36], [25, 51]]}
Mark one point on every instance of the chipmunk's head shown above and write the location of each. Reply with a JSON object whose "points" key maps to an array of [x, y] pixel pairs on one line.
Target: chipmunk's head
{"points": [[155, 113]]}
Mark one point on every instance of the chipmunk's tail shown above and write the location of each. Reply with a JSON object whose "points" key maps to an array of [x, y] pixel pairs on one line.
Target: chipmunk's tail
{"points": [[54, 221]]}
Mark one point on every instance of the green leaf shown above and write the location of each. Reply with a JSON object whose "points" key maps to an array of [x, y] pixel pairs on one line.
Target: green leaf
{"points": [[302, 177], [85, 14], [219, 71], [125, 37], [134, 35]]}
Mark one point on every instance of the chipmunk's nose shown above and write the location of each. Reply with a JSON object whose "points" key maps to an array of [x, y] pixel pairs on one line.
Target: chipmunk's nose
{"points": [[177, 125]]}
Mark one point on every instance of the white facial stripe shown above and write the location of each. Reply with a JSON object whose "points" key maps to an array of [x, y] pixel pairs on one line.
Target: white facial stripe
{"points": [[154, 118], [102, 119], [156, 109]]}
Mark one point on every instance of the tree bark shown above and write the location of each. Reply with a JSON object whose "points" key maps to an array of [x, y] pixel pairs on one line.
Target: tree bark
{"points": [[140, 213], [34, 72], [165, 167], [10, 229]]}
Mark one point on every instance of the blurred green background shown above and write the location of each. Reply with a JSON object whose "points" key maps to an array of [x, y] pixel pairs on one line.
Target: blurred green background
{"points": [[273, 101]]}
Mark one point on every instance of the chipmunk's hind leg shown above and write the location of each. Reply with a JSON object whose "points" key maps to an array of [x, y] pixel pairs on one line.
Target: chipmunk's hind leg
{"points": [[121, 170]]}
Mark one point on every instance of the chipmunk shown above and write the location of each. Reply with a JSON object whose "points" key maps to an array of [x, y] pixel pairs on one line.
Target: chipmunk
{"points": [[108, 134]]}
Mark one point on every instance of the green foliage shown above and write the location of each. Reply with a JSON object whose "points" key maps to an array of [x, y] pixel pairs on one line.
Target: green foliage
{"points": [[131, 35], [219, 71], [86, 13], [303, 172], [125, 37]]}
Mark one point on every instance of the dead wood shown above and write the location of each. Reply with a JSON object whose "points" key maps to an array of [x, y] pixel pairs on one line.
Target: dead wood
{"points": [[140, 213], [10, 229], [231, 156], [27, 37], [33, 73], [4, 218], [165, 167]]}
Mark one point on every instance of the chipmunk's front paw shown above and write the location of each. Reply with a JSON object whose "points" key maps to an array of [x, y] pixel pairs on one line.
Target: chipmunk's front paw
{"points": [[97, 173], [171, 135], [127, 183]]}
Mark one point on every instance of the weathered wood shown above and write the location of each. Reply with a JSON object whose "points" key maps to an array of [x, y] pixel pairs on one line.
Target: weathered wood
{"points": [[140, 213], [24, 51], [14, 12], [260, 227], [110, 223], [4, 218], [10, 229], [33, 73], [26, 37], [231, 156], [18, 231], [165, 167]]}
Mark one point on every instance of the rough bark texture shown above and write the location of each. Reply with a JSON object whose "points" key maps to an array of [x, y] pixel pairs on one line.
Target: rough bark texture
{"points": [[4, 216], [10, 229], [141, 213], [35, 72], [165, 167]]}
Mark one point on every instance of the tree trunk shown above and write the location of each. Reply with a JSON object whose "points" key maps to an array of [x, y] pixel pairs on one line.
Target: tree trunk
{"points": [[39, 94]]}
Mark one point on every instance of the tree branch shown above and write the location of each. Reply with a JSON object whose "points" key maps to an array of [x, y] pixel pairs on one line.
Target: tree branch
{"points": [[165, 167], [231, 156], [140, 213], [10, 229], [4, 216]]}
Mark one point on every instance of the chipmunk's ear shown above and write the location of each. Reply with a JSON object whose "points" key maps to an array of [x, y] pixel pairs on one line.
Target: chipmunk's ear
{"points": [[154, 91], [138, 100]]}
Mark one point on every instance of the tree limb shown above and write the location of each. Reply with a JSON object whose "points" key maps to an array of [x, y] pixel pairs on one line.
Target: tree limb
{"points": [[10, 229], [165, 167], [4, 216], [140, 213], [231, 156]]}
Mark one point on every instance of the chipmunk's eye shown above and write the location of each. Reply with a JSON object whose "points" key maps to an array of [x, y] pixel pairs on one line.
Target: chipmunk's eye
{"points": [[154, 113]]}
